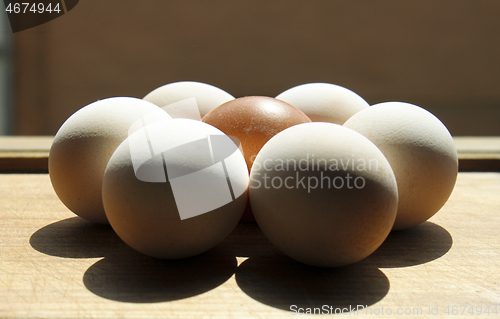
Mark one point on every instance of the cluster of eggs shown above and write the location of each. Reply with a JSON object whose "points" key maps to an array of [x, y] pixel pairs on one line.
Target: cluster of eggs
{"points": [[325, 175]]}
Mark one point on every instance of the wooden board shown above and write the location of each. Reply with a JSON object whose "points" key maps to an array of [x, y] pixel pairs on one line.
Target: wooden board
{"points": [[29, 154], [24, 153], [55, 265], [478, 153]]}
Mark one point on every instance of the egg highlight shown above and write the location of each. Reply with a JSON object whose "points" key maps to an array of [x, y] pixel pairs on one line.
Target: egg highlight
{"points": [[175, 189], [83, 145], [323, 194], [188, 99], [324, 102], [421, 152]]}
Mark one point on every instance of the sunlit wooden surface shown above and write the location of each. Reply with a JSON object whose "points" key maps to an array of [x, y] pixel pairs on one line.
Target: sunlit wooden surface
{"points": [[55, 265]]}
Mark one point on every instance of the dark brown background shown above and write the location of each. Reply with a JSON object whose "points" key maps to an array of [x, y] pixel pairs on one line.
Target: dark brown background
{"points": [[441, 55]]}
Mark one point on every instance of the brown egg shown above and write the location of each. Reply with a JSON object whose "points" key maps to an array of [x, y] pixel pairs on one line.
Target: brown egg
{"points": [[254, 120]]}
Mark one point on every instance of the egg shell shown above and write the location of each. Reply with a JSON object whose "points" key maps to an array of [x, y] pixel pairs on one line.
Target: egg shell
{"points": [[82, 147], [323, 194], [207, 97], [324, 102], [254, 120], [157, 218], [421, 152]]}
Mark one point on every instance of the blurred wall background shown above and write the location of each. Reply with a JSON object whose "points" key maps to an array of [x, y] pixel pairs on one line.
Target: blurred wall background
{"points": [[6, 76], [441, 55]]}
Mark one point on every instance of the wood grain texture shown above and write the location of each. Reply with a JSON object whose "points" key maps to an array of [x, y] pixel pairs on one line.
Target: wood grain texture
{"points": [[56, 265]]}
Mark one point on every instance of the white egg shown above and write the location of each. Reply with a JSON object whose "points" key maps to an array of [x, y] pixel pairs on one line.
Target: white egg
{"points": [[323, 194], [421, 152], [188, 99], [324, 102], [175, 189], [83, 145]]}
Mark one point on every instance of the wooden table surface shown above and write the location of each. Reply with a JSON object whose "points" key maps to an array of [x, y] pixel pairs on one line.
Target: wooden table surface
{"points": [[56, 265]]}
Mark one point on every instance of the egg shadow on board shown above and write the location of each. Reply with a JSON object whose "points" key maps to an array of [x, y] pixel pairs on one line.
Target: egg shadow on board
{"points": [[247, 240], [129, 276], [126, 275], [75, 238], [413, 246], [276, 280], [281, 282]]}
